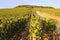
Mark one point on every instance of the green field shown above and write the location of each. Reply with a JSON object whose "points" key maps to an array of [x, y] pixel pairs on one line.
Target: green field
{"points": [[13, 12], [53, 11], [25, 9], [21, 23]]}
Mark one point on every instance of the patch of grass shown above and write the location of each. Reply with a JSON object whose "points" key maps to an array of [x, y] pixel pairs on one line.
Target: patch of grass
{"points": [[14, 12], [53, 11]]}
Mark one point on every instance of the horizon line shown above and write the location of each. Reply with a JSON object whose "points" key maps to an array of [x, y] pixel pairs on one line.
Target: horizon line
{"points": [[27, 5]]}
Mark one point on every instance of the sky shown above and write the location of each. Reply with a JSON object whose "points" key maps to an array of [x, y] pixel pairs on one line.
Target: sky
{"points": [[13, 3]]}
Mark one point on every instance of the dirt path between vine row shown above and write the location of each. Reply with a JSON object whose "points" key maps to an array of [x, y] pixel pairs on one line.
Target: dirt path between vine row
{"points": [[47, 16]]}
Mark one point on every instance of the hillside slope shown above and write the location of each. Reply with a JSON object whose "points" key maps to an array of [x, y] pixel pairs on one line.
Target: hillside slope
{"points": [[24, 9], [49, 16]]}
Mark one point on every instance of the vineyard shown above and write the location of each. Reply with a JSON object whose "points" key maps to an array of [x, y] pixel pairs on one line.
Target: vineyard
{"points": [[22, 23]]}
